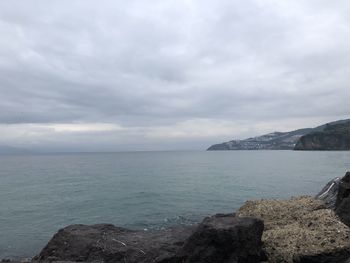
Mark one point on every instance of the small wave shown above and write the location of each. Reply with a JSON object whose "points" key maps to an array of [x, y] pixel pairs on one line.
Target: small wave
{"points": [[181, 220]]}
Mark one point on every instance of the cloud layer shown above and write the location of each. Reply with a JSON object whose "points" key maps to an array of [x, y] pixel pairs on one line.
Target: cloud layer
{"points": [[168, 74]]}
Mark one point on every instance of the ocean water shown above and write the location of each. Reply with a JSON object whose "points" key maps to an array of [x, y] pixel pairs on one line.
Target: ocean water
{"points": [[40, 194]]}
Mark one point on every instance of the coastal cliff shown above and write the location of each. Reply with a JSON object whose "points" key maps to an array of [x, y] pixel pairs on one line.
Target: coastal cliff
{"points": [[333, 137]]}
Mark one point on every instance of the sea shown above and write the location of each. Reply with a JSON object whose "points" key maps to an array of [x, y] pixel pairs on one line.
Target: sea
{"points": [[41, 193]]}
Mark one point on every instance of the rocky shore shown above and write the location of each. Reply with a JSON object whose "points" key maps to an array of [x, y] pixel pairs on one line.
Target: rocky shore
{"points": [[299, 230]]}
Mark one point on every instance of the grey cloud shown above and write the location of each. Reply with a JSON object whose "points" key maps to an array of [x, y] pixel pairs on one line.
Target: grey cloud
{"points": [[156, 63]]}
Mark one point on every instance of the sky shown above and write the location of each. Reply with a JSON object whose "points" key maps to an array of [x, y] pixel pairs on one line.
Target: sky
{"points": [[83, 75]]}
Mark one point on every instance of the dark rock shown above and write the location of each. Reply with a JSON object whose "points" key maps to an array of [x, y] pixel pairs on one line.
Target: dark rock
{"points": [[108, 243], [342, 205], [343, 189], [343, 211], [220, 239], [225, 239], [329, 193], [336, 195]]}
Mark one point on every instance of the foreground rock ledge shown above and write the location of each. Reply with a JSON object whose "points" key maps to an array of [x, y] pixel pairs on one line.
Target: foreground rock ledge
{"points": [[220, 239], [300, 229]]}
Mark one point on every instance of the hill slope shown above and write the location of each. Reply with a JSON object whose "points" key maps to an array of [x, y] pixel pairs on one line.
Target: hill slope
{"points": [[333, 137], [272, 141]]}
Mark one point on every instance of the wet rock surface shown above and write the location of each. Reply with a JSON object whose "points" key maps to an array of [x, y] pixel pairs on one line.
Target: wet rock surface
{"points": [[220, 238], [300, 229]]}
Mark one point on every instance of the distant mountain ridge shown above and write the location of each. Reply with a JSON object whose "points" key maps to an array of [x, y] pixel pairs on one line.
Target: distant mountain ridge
{"points": [[272, 141]]}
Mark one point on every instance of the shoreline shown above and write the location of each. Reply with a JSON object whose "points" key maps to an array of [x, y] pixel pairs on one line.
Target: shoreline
{"points": [[293, 230]]}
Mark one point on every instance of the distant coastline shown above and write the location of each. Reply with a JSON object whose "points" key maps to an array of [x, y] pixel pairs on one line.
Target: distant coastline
{"points": [[330, 136]]}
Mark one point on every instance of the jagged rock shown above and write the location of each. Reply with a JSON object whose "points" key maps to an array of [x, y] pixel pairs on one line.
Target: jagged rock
{"points": [[342, 205], [329, 193], [300, 230], [336, 195], [220, 239], [225, 238]]}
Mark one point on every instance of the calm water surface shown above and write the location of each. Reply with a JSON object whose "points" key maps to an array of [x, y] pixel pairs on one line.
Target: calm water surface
{"points": [[41, 193]]}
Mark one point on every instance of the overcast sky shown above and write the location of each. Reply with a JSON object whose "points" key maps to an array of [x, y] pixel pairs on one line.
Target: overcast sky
{"points": [[163, 75]]}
